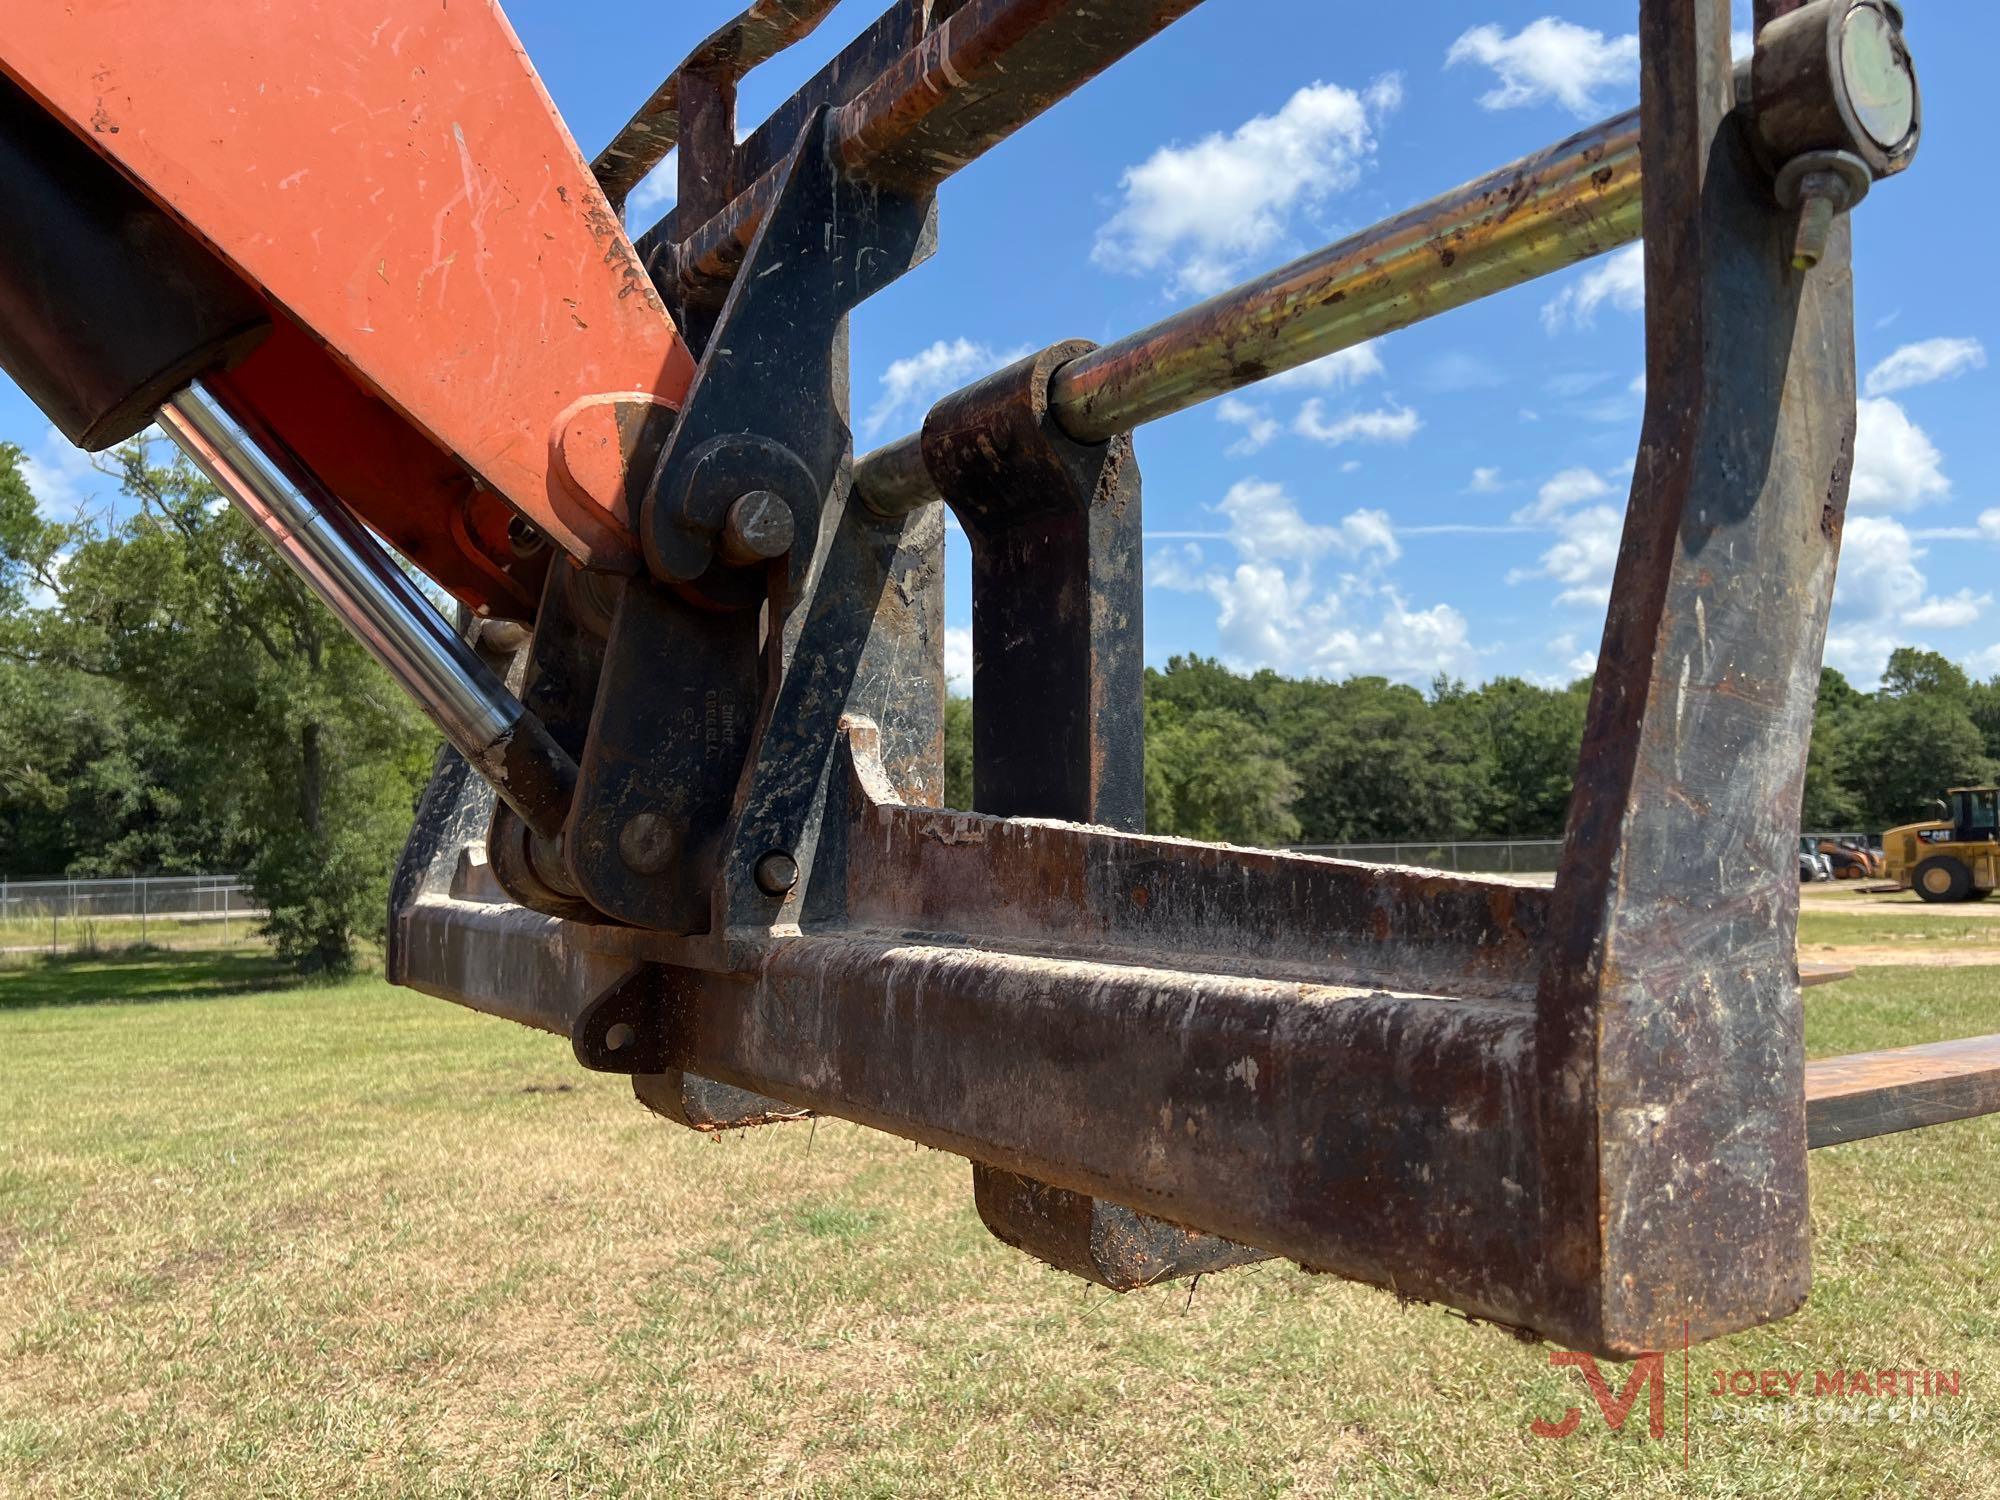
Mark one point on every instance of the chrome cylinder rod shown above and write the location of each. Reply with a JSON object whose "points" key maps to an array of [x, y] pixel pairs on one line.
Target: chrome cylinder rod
{"points": [[1575, 200], [350, 571]]}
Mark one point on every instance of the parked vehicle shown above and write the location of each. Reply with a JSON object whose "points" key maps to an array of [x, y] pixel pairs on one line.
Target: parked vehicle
{"points": [[1813, 865], [1955, 858], [1852, 859]]}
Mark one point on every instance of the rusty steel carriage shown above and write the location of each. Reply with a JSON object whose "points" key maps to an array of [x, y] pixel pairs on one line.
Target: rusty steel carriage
{"points": [[690, 819]]}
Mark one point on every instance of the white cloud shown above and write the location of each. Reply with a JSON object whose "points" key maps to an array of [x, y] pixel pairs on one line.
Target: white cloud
{"points": [[1582, 559], [61, 476], [1265, 526], [1882, 598], [1485, 482], [1461, 370], [1620, 281], [1598, 396], [1259, 426], [1274, 610], [1984, 529], [654, 193], [1570, 384], [1202, 213], [1896, 465], [1577, 661], [1961, 609], [1568, 489], [958, 660], [910, 385], [1924, 363], [1587, 535], [1390, 425], [1335, 371], [1549, 59]]}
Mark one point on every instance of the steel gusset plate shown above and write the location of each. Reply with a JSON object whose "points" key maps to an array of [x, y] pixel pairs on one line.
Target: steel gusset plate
{"points": [[827, 245], [690, 661]]}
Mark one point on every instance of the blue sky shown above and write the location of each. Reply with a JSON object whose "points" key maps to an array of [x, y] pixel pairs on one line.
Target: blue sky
{"points": [[1447, 499]]}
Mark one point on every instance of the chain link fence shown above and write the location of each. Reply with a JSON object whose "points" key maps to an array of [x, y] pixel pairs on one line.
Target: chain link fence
{"points": [[160, 911]]}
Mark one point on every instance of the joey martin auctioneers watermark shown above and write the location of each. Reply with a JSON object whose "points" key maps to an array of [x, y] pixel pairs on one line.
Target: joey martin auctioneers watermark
{"points": [[1847, 1393]]}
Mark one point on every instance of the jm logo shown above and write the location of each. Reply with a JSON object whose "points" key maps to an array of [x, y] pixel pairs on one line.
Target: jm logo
{"points": [[1649, 1370]]}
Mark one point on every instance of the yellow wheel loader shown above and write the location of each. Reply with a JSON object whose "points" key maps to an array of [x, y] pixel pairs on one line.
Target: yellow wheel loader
{"points": [[1956, 858]]}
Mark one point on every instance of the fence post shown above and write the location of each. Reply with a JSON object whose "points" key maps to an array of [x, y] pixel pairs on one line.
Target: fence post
{"points": [[145, 888]]}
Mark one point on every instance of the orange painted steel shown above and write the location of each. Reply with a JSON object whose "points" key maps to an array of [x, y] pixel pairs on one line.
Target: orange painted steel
{"points": [[301, 406], [394, 177]]}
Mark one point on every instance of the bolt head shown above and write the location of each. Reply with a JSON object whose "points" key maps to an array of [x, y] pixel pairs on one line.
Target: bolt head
{"points": [[758, 529], [776, 873], [648, 843]]}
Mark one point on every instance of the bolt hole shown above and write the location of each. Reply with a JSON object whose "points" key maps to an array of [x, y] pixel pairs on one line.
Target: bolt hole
{"points": [[617, 1038]]}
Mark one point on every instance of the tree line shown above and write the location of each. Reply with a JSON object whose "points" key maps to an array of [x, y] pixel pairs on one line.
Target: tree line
{"points": [[1265, 759], [172, 699]]}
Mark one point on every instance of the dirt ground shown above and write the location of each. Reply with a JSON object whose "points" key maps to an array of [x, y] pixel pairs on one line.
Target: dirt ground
{"points": [[1833, 899], [1903, 955], [1897, 929]]}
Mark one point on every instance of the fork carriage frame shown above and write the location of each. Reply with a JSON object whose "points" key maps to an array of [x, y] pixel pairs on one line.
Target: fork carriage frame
{"points": [[1580, 1111], [1583, 1111]]}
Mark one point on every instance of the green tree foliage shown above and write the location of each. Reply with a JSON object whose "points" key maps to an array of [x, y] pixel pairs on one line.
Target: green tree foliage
{"points": [[1912, 673], [1264, 759], [1531, 736], [88, 787], [1913, 740], [1984, 706], [1212, 774], [958, 753], [1830, 804], [198, 706]]}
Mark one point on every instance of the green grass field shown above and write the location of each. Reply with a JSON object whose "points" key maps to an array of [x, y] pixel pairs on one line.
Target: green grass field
{"points": [[1904, 927], [298, 1240]]}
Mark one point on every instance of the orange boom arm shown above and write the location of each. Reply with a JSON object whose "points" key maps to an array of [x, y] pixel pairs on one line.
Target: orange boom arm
{"points": [[452, 294]]}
